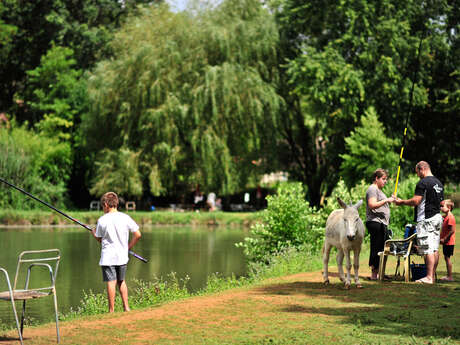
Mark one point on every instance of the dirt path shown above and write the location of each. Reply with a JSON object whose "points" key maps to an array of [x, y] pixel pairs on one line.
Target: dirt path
{"points": [[192, 319], [294, 309]]}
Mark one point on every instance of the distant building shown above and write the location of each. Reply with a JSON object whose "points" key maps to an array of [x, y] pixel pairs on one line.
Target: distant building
{"points": [[269, 179]]}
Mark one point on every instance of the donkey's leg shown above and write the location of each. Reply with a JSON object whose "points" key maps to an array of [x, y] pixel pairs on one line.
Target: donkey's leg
{"points": [[346, 252], [339, 258], [326, 252], [356, 265]]}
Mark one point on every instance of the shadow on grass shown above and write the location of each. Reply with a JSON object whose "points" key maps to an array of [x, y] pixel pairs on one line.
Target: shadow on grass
{"points": [[393, 307]]}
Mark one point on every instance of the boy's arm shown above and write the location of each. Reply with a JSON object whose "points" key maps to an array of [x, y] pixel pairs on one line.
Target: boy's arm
{"points": [[99, 239], [451, 230], [136, 236]]}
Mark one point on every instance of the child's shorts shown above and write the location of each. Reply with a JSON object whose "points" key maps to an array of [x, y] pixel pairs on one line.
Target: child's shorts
{"points": [[448, 250], [111, 273]]}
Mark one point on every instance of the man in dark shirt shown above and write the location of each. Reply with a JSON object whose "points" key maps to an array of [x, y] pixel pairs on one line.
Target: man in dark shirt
{"points": [[429, 192]]}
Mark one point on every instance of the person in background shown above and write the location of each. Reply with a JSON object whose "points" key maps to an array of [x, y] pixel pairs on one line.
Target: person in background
{"points": [[377, 218], [211, 201], [113, 231], [429, 192], [448, 236]]}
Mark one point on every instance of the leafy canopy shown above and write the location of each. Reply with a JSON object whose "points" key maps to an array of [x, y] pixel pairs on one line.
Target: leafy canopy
{"points": [[194, 94]]}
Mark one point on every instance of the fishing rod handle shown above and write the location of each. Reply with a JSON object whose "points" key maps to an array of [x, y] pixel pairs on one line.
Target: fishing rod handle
{"points": [[137, 256]]}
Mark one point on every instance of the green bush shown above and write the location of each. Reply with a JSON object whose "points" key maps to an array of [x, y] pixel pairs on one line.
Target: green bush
{"points": [[288, 221], [37, 164]]}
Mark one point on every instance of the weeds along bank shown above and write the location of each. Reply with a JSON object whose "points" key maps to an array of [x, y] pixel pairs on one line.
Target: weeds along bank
{"points": [[143, 218], [158, 291]]}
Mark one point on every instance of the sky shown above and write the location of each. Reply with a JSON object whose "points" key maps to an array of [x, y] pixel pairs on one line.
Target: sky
{"points": [[177, 5]]}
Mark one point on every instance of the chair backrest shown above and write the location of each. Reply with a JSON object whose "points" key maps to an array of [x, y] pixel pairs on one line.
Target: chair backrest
{"points": [[47, 259]]}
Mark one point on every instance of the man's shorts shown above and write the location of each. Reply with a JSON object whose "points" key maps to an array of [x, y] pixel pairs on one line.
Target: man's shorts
{"points": [[428, 231], [448, 250], [110, 273]]}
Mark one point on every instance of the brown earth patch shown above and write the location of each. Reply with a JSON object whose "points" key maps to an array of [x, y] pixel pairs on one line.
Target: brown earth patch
{"points": [[294, 302]]}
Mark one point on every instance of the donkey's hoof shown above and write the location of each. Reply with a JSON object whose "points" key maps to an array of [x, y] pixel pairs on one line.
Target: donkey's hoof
{"points": [[326, 282], [359, 286], [347, 286]]}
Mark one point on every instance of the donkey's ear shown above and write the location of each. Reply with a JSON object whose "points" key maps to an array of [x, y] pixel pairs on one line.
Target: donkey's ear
{"points": [[358, 204], [341, 203]]}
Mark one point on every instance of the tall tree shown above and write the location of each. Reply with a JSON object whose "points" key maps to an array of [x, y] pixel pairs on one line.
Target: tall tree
{"points": [[86, 26], [350, 55], [194, 94]]}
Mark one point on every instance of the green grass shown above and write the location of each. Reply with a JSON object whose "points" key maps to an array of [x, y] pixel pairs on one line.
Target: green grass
{"points": [[143, 218]]}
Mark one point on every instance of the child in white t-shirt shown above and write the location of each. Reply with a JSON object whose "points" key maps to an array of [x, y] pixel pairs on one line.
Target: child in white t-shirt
{"points": [[113, 231]]}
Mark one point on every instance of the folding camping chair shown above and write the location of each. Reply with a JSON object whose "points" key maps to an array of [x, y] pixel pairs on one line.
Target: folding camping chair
{"points": [[48, 260], [400, 248]]}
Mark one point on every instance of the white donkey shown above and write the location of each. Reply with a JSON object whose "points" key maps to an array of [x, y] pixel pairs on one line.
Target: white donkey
{"points": [[345, 231]]}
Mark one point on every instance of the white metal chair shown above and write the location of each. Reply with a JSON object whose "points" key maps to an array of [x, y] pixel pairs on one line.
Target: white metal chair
{"points": [[48, 261]]}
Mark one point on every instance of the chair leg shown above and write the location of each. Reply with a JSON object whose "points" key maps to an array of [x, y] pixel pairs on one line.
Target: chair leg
{"points": [[406, 269], [23, 315], [57, 317], [397, 270], [383, 262], [17, 320]]}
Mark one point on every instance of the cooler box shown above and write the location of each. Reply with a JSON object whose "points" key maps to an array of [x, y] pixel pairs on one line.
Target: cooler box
{"points": [[417, 271]]}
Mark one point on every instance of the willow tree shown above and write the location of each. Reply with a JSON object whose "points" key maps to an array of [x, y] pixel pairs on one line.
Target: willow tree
{"points": [[193, 93]]}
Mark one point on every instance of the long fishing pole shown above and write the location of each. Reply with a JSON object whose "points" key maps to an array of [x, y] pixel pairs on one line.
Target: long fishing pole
{"points": [[137, 256], [408, 115]]}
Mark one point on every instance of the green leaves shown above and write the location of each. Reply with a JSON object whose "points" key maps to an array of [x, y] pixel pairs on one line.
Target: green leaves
{"points": [[367, 148], [288, 221], [40, 165], [195, 95], [117, 171]]}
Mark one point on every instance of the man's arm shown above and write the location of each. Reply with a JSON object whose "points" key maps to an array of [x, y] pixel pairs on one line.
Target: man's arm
{"points": [[136, 236], [414, 201]]}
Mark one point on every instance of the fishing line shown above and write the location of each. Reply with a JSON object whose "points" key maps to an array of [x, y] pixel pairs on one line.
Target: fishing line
{"points": [[409, 112]]}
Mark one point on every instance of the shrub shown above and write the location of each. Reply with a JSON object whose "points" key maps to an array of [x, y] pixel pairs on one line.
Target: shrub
{"points": [[37, 164], [288, 221]]}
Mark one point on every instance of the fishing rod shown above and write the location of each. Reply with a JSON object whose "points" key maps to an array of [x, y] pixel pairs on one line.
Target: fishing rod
{"points": [[408, 115], [137, 256]]}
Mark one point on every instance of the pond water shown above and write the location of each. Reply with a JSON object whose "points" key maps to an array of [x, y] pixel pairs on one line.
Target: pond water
{"points": [[192, 251]]}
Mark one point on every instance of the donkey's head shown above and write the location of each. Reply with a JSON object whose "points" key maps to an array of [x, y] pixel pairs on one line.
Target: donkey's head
{"points": [[351, 218]]}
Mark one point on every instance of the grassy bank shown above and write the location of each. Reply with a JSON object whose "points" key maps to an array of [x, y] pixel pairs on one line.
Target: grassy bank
{"points": [[39, 217], [272, 306]]}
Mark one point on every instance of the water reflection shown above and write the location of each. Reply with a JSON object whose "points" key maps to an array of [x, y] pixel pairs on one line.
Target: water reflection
{"points": [[196, 252]]}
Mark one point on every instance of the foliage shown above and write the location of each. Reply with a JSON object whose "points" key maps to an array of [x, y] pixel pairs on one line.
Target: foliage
{"points": [[55, 92], [399, 216], [85, 26], [42, 172], [289, 260], [349, 56], [117, 171], [367, 149], [193, 93], [288, 221], [159, 291]]}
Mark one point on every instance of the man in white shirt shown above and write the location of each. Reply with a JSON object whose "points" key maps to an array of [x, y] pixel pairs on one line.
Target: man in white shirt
{"points": [[112, 231]]}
